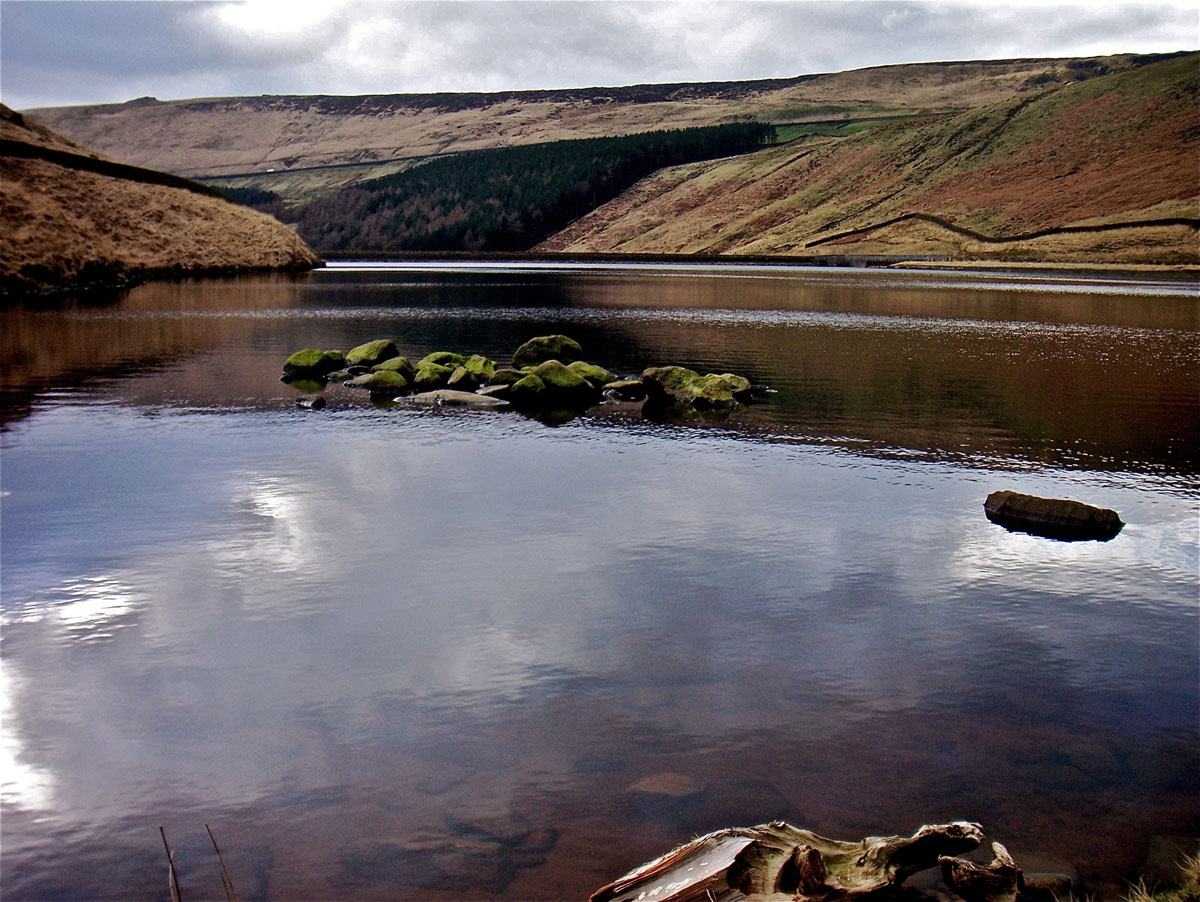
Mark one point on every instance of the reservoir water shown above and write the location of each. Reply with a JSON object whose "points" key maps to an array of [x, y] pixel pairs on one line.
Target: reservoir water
{"points": [[388, 652]]}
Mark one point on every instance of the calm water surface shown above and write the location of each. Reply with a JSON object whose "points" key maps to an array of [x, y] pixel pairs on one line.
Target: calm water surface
{"points": [[397, 653]]}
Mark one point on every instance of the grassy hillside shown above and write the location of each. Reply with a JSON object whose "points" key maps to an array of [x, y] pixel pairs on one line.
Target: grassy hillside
{"points": [[71, 220], [976, 159], [335, 141], [1117, 149]]}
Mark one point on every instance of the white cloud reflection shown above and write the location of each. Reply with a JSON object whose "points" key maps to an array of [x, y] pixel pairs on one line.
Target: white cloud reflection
{"points": [[89, 607], [339, 597], [23, 783]]}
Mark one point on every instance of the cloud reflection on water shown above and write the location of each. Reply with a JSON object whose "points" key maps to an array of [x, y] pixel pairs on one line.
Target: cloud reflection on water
{"points": [[379, 602]]}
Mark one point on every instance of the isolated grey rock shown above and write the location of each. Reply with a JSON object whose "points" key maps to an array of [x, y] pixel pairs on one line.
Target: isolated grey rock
{"points": [[1055, 518]]}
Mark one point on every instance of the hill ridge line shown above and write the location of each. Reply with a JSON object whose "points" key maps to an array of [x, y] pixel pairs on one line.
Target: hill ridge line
{"points": [[422, 99], [10, 148]]}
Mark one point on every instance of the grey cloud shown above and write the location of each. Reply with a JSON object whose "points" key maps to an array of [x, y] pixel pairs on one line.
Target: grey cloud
{"points": [[103, 37], [76, 52]]}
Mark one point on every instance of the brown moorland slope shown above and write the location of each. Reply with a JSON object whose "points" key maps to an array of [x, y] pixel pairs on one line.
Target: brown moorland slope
{"points": [[1105, 170], [71, 220], [237, 135]]}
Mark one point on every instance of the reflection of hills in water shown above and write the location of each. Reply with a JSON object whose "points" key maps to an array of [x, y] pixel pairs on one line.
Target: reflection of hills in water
{"points": [[938, 365], [160, 328]]}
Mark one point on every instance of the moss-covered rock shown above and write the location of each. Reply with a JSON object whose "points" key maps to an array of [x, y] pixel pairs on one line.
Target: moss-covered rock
{"points": [[528, 391], [680, 386], [713, 390], [472, 372], [547, 347], [463, 379], [482, 367], [560, 377], [384, 382], [401, 365], [313, 363], [372, 353], [565, 387], [505, 375], [739, 385], [430, 376], [442, 358], [670, 384], [598, 376]]}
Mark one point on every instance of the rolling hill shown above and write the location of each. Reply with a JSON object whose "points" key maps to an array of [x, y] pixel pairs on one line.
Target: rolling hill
{"points": [[72, 219], [1085, 160], [1104, 170], [304, 146]]}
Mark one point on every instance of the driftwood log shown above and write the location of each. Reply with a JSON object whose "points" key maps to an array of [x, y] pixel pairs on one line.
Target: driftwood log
{"points": [[999, 881], [777, 861]]}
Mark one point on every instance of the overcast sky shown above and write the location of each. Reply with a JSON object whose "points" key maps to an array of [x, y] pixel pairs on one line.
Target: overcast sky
{"points": [[54, 52]]}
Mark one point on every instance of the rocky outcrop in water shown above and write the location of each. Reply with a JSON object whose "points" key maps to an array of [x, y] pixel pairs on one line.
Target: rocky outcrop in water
{"points": [[553, 389], [680, 386]]}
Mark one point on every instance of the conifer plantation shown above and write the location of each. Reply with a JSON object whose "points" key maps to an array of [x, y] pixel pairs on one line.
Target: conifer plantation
{"points": [[506, 199]]}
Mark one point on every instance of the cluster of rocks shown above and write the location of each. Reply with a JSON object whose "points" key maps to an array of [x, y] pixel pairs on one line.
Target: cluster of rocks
{"points": [[546, 373]]}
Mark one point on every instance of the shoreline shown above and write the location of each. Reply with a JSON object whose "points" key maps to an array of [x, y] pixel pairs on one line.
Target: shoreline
{"points": [[1181, 271], [110, 280]]}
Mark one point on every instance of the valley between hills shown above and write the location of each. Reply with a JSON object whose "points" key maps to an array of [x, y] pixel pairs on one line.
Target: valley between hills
{"points": [[1057, 161]]}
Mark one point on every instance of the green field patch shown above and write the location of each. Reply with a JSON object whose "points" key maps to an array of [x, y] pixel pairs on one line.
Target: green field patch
{"points": [[292, 188]]}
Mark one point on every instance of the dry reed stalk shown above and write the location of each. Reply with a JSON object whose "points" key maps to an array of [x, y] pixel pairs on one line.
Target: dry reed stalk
{"points": [[172, 877], [226, 880]]}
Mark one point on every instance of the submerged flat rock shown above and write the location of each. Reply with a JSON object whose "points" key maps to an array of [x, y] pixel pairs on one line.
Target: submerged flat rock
{"points": [[448, 397]]}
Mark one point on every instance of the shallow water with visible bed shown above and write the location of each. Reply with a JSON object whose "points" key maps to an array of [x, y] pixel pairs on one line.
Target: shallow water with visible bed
{"points": [[392, 652]]}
